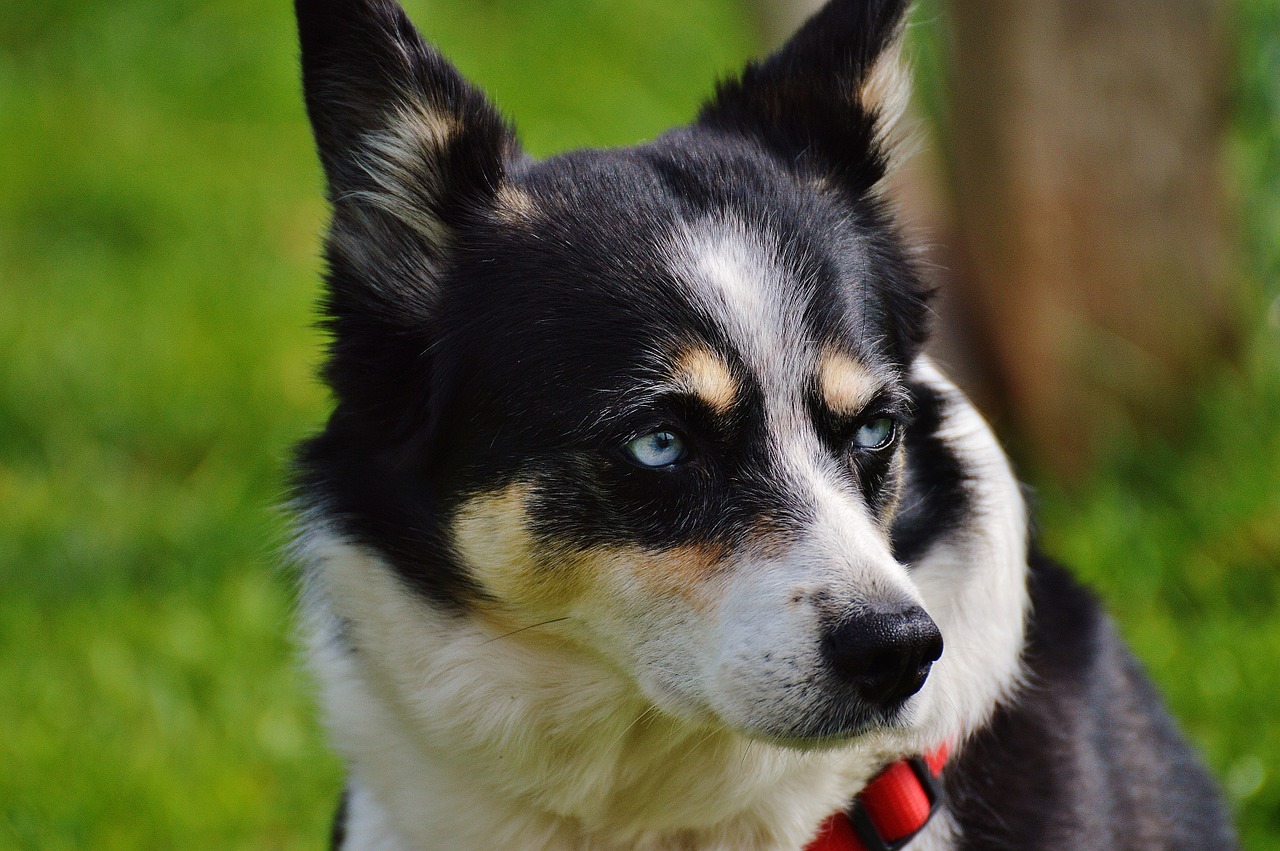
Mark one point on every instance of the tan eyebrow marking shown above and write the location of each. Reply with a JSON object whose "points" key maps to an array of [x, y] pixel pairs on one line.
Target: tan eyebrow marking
{"points": [[704, 374], [846, 385]]}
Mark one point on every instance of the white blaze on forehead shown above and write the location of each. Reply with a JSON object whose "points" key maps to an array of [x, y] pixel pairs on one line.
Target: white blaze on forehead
{"points": [[744, 282], [739, 277]]}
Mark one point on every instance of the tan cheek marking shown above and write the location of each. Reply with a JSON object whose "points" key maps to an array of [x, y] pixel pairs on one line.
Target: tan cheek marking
{"points": [[491, 533], [845, 384], [528, 583], [703, 374], [687, 572]]}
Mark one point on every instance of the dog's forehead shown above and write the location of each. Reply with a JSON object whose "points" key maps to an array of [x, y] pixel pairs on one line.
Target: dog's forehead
{"points": [[692, 257], [741, 279]]}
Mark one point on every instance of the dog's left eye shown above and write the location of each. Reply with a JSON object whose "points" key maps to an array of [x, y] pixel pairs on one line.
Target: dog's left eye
{"points": [[875, 434], [656, 450]]}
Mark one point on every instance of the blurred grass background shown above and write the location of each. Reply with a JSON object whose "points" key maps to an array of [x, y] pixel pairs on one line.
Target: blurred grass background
{"points": [[160, 208]]}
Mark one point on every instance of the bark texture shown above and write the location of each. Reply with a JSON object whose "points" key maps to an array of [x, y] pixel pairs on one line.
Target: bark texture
{"points": [[1085, 146]]}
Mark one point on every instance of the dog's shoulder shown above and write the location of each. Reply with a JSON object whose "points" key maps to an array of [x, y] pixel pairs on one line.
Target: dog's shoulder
{"points": [[1086, 755]]}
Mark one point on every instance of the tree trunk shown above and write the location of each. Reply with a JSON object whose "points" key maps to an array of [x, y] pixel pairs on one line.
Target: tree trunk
{"points": [[1085, 144]]}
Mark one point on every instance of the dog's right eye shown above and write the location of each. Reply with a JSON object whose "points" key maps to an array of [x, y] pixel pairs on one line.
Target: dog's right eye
{"points": [[656, 450], [876, 434]]}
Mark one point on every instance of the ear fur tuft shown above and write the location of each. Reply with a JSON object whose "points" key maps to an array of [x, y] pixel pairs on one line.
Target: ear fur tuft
{"points": [[830, 99], [412, 153], [397, 127], [885, 94]]}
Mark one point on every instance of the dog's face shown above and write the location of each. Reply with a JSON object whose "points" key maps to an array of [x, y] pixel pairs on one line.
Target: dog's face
{"points": [[652, 402]]}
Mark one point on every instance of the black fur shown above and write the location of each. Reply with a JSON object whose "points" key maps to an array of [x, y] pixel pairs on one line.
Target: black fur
{"points": [[362, 59], [935, 496], [1087, 756], [799, 103]]}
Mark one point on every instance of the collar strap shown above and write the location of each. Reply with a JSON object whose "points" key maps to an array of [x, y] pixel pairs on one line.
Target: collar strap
{"points": [[891, 810]]}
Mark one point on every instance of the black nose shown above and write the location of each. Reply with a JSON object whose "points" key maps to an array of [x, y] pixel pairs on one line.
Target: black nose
{"points": [[885, 656]]}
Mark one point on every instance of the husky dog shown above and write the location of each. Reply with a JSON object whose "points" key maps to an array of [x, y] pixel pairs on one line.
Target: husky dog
{"points": [[641, 520]]}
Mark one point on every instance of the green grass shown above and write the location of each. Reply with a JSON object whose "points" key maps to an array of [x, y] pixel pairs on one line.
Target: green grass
{"points": [[159, 212]]}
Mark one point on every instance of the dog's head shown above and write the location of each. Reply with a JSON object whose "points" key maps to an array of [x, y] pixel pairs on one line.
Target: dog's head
{"points": [[652, 399]]}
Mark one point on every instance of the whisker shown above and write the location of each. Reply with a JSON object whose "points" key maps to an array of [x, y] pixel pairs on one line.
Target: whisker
{"points": [[707, 737], [522, 629], [618, 739]]}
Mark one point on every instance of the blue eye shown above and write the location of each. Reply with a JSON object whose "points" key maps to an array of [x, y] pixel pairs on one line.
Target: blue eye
{"points": [[875, 434], [656, 449]]}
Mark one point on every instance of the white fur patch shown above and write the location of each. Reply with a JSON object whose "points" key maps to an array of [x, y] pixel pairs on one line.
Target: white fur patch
{"points": [[461, 741], [974, 583]]}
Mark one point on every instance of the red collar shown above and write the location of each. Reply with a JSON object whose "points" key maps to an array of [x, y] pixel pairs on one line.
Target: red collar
{"points": [[891, 810]]}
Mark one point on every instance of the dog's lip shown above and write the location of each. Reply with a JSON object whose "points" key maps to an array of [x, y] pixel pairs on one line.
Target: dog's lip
{"points": [[866, 724], [824, 741]]}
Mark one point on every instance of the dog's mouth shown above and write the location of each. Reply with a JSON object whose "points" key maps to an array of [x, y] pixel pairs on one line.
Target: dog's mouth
{"points": [[838, 719]]}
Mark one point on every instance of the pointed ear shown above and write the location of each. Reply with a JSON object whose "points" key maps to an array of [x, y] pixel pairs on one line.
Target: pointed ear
{"points": [[399, 131], [412, 153], [830, 99]]}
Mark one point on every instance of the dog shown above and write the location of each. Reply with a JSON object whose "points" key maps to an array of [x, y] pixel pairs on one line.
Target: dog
{"points": [[643, 521]]}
